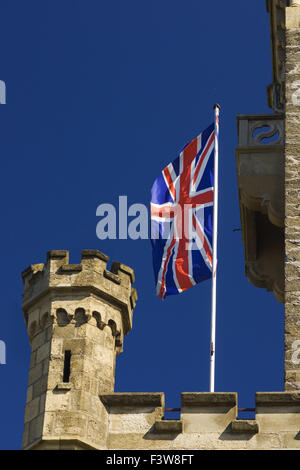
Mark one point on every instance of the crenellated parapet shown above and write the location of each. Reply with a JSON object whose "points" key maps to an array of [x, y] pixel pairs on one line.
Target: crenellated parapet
{"points": [[91, 276], [206, 421]]}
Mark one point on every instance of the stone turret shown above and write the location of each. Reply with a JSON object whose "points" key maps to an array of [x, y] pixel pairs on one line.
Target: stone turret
{"points": [[76, 317]]}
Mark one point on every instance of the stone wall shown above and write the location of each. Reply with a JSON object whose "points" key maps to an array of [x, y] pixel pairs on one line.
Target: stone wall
{"points": [[207, 421], [292, 199]]}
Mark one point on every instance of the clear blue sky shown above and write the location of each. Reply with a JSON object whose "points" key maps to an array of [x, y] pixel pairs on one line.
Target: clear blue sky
{"points": [[100, 97]]}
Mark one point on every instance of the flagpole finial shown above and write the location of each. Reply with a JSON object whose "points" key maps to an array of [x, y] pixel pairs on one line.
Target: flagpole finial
{"points": [[217, 106]]}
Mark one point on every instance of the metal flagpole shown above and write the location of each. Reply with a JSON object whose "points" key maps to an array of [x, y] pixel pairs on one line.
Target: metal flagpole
{"points": [[214, 260]]}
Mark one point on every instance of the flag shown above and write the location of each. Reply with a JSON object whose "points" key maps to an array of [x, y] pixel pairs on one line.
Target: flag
{"points": [[182, 217]]}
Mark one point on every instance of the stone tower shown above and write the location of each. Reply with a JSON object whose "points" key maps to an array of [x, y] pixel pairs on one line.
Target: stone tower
{"points": [[76, 317]]}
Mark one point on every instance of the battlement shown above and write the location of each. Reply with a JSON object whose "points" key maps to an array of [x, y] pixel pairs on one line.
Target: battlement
{"points": [[91, 276], [207, 421]]}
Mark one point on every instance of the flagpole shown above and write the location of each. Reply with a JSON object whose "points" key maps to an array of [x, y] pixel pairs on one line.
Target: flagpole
{"points": [[214, 257]]}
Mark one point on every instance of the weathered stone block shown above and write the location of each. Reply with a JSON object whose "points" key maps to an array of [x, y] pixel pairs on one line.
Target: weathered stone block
{"points": [[207, 412], [25, 440], [38, 340], [40, 386], [169, 427], [35, 373], [97, 431], [43, 352], [29, 393], [32, 409], [57, 347], [244, 426], [36, 428], [70, 424], [57, 401]]}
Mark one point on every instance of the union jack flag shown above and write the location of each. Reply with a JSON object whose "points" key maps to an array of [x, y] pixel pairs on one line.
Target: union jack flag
{"points": [[182, 217]]}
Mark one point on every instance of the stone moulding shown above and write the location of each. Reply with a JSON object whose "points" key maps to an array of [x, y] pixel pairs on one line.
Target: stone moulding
{"points": [[137, 399], [197, 399], [70, 268], [168, 426], [63, 444], [63, 386], [90, 254], [244, 426], [277, 399]]}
